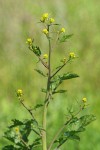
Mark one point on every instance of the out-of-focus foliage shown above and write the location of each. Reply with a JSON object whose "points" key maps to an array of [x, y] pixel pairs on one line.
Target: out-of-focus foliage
{"points": [[17, 23]]}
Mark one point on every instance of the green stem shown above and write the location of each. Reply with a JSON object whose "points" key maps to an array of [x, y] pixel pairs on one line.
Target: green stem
{"points": [[44, 134], [56, 136], [44, 142]]}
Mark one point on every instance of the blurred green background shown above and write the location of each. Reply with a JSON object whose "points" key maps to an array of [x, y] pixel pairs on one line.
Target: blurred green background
{"points": [[18, 21]]}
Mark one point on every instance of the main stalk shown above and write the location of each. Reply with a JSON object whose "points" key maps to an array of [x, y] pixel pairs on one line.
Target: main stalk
{"points": [[47, 98]]}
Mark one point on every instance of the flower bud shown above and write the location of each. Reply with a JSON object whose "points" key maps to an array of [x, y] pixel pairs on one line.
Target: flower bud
{"points": [[45, 56], [19, 92], [45, 31], [72, 55]]}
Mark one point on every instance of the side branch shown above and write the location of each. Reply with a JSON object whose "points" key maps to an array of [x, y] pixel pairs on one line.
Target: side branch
{"points": [[56, 136], [59, 69], [29, 110]]}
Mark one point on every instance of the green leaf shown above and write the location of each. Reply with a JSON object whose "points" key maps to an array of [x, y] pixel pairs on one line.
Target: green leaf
{"points": [[67, 76], [74, 120], [9, 147], [71, 135], [75, 137], [12, 137], [36, 50], [86, 119], [65, 38], [56, 82], [40, 72], [66, 136], [81, 129], [60, 91], [38, 106]]}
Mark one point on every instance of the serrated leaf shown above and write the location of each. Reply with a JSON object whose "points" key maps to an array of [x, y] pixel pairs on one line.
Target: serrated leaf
{"points": [[40, 72], [38, 106], [9, 147], [67, 76], [86, 119], [16, 123], [65, 38]]}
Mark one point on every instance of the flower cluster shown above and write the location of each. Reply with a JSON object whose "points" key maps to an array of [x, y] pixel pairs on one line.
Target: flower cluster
{"points": [[49, 21], [44, 17]]}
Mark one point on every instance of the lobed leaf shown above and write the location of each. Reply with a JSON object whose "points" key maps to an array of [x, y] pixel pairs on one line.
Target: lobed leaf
{"points": [[86, 119], [67, 76]]}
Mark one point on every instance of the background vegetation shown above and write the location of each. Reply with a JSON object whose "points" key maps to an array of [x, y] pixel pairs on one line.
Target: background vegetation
{"points": [[18, 21]]}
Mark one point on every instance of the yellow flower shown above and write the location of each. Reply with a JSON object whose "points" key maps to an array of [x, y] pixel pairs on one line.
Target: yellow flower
{"points": [[84, 99], [45, 31], [45, 56], [17, 129], [29, 41], [72, 55], [52, 20], [44, 17], [19, 92], [62, 30]]}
